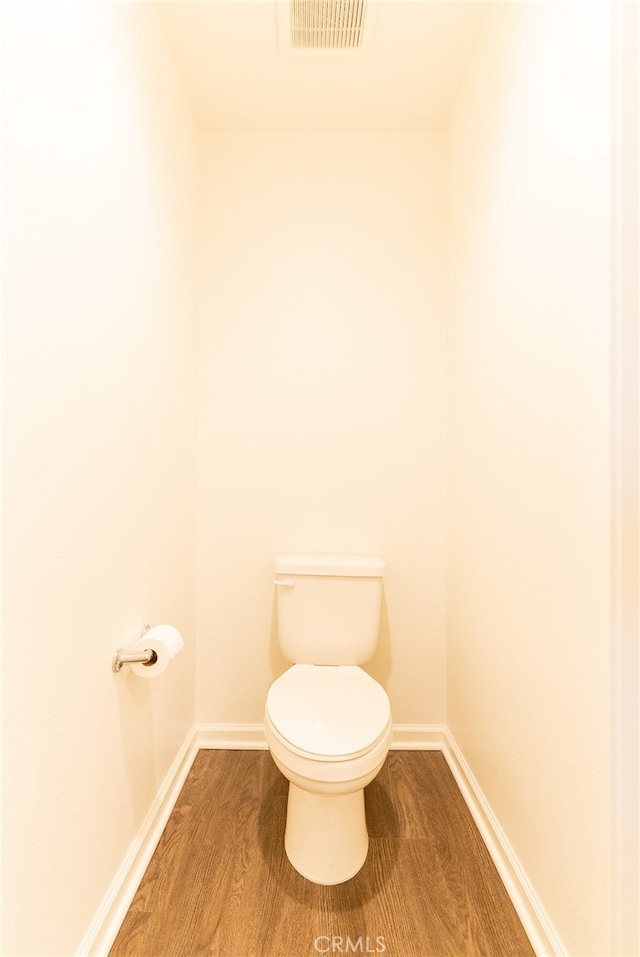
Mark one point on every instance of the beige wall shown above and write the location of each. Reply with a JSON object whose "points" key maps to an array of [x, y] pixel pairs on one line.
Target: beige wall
{"points": [[529, 576], [99, 420], [321, 398]]}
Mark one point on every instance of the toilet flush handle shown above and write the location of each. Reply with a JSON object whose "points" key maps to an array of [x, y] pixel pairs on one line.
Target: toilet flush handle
{"points": [[285, 582]]}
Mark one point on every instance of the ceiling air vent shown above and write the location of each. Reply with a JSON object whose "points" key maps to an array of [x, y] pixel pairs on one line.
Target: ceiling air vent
{"points": [[305, 25]]}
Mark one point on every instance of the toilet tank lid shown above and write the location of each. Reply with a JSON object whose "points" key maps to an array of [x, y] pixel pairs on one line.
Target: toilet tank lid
{"points": [[347, 566]]}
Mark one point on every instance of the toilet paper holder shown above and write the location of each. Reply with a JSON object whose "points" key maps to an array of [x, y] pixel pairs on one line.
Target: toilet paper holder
{"points": [[123, 657]]}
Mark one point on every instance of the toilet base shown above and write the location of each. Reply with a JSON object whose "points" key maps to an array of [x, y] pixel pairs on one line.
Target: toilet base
{"points": [[326, 836]]}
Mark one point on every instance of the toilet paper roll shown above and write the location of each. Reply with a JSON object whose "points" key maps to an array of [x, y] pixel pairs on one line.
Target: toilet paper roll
{"points": [[166, 641]]}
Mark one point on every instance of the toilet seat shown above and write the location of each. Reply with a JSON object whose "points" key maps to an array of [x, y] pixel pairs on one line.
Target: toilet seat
{"points": [[328, 713]]}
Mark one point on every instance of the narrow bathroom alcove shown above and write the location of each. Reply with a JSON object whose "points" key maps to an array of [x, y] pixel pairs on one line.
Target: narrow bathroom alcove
{"points": [[258, 302]]}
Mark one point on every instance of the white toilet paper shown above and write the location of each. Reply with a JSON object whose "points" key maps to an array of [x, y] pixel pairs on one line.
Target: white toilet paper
{"points": [[166, 641]]}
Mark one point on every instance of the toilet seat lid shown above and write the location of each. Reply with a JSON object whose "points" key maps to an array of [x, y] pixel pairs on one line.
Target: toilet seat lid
{"points": [[332, 712]]}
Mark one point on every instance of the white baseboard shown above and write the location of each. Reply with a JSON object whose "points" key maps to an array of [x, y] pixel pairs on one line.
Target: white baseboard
{"points": [[101, 934], [418, 737], [250, 737], [231, 737], [538, 927]]}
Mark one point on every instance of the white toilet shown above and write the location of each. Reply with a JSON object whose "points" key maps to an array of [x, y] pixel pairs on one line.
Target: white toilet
{"points": [[327, 722]]}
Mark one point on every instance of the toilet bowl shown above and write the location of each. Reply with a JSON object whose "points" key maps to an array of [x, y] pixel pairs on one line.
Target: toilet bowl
{"points": [[328, 730], [328, 726]]}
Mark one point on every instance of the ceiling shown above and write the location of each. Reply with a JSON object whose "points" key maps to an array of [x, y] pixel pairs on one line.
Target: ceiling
{"points": [[237, 79]]}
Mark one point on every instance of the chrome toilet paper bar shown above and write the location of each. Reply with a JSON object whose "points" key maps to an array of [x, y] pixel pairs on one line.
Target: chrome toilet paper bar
{"points": [[122, 657]]}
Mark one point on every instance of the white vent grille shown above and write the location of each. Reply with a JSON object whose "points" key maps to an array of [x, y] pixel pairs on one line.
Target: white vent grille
{"points": [[326, 24]]}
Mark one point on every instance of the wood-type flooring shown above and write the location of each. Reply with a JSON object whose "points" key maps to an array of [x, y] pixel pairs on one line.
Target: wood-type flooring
{"points": [[220, 883]]}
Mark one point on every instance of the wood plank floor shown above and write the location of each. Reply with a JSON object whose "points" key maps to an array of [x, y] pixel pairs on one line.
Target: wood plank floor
{"points": [[220, 883]]}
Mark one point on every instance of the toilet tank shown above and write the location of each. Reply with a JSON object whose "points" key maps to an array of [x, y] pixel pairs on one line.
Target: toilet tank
{"points": [[328, 607]]}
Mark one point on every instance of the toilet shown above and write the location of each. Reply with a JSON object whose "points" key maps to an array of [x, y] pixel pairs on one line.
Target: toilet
{"points": [[327, 722]]}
